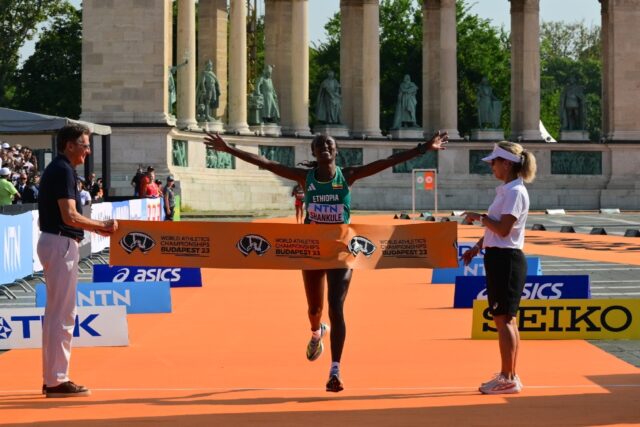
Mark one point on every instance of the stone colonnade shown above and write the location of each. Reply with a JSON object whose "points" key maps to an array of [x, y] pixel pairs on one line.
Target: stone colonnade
{"points": [[127, 62]]}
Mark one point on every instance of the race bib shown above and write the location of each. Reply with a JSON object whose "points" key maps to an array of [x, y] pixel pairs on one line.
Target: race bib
{"points": [[326, 213]]}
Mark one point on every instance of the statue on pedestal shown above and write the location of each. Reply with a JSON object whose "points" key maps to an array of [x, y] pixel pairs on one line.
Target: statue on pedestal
{"points": [[405, 115], [489, 106], [270, 112], [208, 94], [573, 106], [172, 85], [329, 105]]}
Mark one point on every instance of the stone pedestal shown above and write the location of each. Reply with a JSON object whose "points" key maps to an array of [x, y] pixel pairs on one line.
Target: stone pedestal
{"points": [[487, 134], [214, 126], [574, 135], [126, 55], [340, 131], [407, 133], [266, 129]]}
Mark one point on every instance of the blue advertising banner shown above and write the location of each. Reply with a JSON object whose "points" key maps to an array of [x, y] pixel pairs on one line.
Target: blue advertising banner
{"points": [[177, 276], [120, 210], [148, 297], [16, 252], [537, 287], [476, 268]]}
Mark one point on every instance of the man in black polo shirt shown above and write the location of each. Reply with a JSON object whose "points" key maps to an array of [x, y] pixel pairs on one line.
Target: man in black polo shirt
{"points": [[62, 225]]}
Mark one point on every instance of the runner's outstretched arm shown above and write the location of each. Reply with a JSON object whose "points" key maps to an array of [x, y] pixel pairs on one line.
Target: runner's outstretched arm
{"points": [[215, 141], [437, 142]]}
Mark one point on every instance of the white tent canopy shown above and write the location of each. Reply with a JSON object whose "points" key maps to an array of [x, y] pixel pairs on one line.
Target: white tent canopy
{"points": [[16, 121]]}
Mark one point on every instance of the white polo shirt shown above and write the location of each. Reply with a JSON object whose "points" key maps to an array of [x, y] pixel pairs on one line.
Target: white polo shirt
{"points": [[511, 199]]}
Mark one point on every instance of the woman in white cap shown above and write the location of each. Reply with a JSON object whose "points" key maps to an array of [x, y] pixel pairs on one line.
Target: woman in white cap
{"points": [[504, 262]]}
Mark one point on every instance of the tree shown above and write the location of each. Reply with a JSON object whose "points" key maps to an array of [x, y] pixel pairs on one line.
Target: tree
{"points": [[570, 50], [482, 51], [19, 23], [50, 81]]}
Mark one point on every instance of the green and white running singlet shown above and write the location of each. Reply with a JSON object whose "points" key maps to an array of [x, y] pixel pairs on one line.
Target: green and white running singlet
{"points": [[327, 202]]}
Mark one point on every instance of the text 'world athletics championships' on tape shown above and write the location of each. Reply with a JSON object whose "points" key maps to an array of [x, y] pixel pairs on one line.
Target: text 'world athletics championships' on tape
{"points": [[568, 319], [284, 246]]}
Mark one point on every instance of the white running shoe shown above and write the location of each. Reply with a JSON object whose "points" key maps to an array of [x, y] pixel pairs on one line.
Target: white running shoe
{"points": [[501, 385]]}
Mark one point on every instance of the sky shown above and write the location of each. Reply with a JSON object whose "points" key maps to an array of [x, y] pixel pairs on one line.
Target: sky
{"points": [[496, 10]]}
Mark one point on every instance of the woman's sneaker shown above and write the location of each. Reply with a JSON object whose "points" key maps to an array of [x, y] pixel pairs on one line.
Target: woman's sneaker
{"points": [[334, 384], [67, 389], [501, 385], [315, 347]]}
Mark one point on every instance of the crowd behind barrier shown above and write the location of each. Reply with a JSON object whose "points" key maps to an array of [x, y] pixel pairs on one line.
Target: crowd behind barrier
{"points": [[19, 234]]}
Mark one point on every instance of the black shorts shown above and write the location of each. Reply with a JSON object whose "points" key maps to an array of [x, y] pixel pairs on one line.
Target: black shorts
{"points": [[506, 271]]}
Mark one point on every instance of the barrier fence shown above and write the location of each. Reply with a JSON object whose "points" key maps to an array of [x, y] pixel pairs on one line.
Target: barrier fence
{"points": [[19, 234]]}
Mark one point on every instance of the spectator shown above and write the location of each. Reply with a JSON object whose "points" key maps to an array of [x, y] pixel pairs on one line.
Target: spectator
{"points": [[32, 191], [85, 196], [151, 190], [90, 181], [160, 189], [7, 191], [22, 186], [97, 191], [145, 180], [136, 181], [169, 199]]}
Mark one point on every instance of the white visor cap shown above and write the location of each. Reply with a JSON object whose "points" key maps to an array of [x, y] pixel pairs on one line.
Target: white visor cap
{"points": [[503, 154]]}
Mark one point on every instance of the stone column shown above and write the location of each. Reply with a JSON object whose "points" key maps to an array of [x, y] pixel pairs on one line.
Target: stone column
{"points": [[212, 45], [439, 68], [360, 67], [277, 52], [299, 92], [525, 70], [186, 49], [621, 65], [238, 69], [126, 53]]}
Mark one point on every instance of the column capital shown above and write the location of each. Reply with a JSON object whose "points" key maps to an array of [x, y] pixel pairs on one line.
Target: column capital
{"points": [[525, 5], [357, 2], [431, 4]]}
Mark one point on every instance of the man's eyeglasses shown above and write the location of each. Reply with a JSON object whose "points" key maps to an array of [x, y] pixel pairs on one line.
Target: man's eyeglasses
{"points": [[85, 146]]}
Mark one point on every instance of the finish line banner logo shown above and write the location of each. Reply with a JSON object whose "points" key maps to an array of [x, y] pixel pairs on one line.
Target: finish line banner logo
{"points": [[284, 246], [578, 319]]}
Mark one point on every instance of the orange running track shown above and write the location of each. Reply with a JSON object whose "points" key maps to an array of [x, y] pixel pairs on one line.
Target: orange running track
{"points": [[232, 353]]}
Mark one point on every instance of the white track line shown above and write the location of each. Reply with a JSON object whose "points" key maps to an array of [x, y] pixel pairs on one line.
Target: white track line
{"points": [[245, 389], [615, 281], [610, 294]]}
